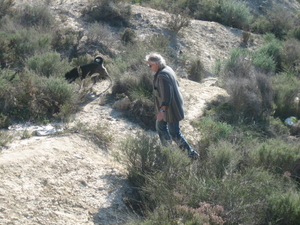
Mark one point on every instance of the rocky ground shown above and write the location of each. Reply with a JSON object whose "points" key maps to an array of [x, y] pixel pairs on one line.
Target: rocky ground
{"points": [[66, 178]]}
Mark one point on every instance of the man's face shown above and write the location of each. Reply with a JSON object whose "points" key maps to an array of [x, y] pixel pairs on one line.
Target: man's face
{"points": [[153, 66]]}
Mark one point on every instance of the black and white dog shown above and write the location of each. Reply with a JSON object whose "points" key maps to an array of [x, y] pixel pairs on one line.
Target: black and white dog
{"points": [[95, 70]]}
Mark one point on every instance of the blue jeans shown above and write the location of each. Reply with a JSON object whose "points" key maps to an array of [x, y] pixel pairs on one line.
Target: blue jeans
{"points": [[171, 131]]}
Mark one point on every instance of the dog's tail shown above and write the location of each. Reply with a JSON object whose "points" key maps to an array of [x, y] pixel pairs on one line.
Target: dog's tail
{"points": [[110, 85]]}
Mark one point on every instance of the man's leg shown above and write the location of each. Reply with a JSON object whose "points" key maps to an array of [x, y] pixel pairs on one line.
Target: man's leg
{"points": [[163, 132], [182, 143]]}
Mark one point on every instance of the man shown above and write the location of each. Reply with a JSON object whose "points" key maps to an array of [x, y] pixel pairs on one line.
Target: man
{"points": [[168, 103]]}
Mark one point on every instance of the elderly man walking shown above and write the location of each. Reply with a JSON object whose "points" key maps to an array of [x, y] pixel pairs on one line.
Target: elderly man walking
{"points": [[168, 104]]}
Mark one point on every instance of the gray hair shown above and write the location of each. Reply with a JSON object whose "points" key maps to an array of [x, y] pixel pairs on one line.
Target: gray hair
{"points": [[156, 58]]}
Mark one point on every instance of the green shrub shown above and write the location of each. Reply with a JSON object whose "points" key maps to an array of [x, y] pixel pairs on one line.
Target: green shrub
{"points": [[235, 14], [270, 50], [263, 61], [281, 22], [177, 21], [223, 157], [295, 33], [251, 94], [274, 155], [4, 123], [244, 195], [286, 87], [196, 70], [139, 90], [284, 208], [22, 44], [5, 138], [81, 60], [128, 36], [99, 134], [114, 13], [140, 155], [261, 25], [159, 42], [208, 10], [212, 130], [63, 39], [5, 6], [101, 34], [290, 55], [26, 96], [48, 64], [36, 15]]}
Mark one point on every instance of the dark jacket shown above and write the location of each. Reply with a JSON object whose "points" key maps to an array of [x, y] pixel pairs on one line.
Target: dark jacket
{"points": [[166, 93]]}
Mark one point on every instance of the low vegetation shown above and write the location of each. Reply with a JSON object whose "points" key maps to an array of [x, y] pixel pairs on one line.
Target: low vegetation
{"points": [[244, 175]]}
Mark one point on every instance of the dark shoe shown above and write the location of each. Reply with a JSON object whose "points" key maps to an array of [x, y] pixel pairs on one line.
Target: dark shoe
{"points": [[193, 154]]}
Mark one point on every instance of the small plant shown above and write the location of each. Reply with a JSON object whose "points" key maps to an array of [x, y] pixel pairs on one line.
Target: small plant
{"points": [[63, 39], [196, 70], [251, 94], [286, 87], [36, 15], [5, 6], [290, 55], [176, 22], [246, 36], [204, 214], [101, 135], [114, 13], [25, 134], [285, 207], [208, 10], [100, 33], [5, 138], [128, 36], [159, 42], [235, 14], [48, 64], [275, 155]]}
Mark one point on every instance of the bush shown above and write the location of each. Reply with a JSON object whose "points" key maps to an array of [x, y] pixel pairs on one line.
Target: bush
{"points": [[223, 158], [177, 21], [286, 87], [270, 50], [63, 39], [48, 64], [281, 22], [208, 10], [295, 33], [274, 155], [114, 13], [101, 34], [5, 138], [261, 25], [235, 14], [128, 36], [21, 44], [26, 96], [100, 134], [290, 55], [159, 42], [196, 70], [35, 15], [251, 94], [52, 94], [284, 208], [5, 6]]}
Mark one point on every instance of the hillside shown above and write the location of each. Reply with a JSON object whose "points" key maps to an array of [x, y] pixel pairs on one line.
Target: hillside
{"points": [[66, 178]]}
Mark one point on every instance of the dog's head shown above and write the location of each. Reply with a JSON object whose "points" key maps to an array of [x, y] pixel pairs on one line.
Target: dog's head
{"points": [[99, 60]]}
